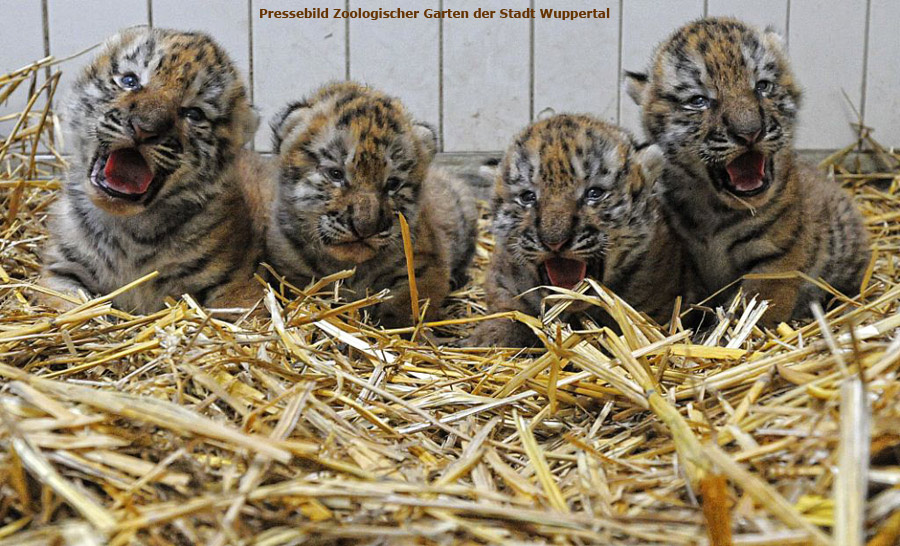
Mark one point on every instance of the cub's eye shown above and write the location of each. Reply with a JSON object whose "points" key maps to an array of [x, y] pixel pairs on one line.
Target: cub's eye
{"points": [[194, 115], [527, 198], [697, 102], [594, 194], [334, 174], [393, 185], [764, 87], [129, 82]]}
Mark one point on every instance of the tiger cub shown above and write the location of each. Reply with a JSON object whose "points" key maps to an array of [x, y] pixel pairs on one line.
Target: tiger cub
{"points": [[721, 101], [350, 161], [158, 120], [574, 197]]}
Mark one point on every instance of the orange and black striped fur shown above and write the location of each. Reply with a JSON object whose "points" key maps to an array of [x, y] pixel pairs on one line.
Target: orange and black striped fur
{"points": [[721, 101], [575, 197], [350, 161], [157, 120]]}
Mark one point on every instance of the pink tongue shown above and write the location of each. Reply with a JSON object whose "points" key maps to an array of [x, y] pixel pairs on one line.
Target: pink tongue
{"points": [[747, 171], [565, 273], [127, 172]]}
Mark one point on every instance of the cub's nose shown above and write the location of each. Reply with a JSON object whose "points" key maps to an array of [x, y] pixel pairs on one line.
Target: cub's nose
{"points": [[555, 244], [745, 126], [748, 138], [367, 225], [148, 130], [555, 225]]}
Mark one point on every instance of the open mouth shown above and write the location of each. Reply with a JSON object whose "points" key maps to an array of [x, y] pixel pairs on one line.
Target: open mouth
{"points": [[565, 273], [358, 245], [124, 174], [354, 252], [745, 176]]}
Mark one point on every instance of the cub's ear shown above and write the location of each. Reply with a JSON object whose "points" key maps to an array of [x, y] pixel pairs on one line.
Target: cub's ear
{"points": [[490, 169], [291, 119], [427, 136], [128, 33], [546, 113], [650, 161], [636, 86], [773, 39]]}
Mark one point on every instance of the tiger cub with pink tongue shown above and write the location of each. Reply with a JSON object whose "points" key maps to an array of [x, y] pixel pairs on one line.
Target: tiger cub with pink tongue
{"points": [[159, 180], [721, 101], [575, 198]]}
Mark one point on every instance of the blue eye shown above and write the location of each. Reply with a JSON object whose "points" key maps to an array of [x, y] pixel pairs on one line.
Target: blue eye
{"points": [[594, 194], [527, 198], [130, 82], [697, 102]]}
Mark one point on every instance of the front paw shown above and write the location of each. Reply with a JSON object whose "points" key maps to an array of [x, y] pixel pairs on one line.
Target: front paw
{"points": [[501, 333], [782, 296], [54, 302]]}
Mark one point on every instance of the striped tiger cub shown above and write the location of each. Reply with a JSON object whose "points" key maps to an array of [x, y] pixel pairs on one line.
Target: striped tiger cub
{"points": [[157, 123], [350, 161], [721, 101], [574, 197]]}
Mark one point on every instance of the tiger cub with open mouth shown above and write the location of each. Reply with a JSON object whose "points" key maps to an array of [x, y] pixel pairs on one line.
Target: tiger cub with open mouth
{"points": [[721, 101], [158, 120], [350, 161], [574, 198]]}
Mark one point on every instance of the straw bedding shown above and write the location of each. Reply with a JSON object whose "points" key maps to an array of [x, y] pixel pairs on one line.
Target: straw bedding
{"points": [[308, 425]]}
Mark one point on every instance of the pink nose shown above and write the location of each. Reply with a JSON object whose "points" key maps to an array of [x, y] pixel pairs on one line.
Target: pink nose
{"points": [[555, 246], [749, 138], [142, 134]]}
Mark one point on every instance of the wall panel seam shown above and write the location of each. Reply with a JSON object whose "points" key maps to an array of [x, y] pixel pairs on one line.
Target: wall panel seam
{"points": [[347, 42], [619, 74], [865, 65], [441, 77], [531, 65], [250, 48], [45, 15], [787, 27]]}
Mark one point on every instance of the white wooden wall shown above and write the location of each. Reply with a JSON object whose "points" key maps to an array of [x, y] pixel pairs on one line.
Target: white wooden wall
{"points": [[482, 80]]}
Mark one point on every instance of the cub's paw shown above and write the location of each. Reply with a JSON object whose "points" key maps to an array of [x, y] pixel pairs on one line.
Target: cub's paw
{"points": [[54, 302], [501, 333]]}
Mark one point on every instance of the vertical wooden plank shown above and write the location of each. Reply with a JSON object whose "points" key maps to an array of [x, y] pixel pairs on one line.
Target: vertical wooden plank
{"points": [[291, 58], [576, 63], [646, 23], [75, 25], [762, 13], [883, 75], [486, 78], [827, 40], [399, 56], [227, 22]]}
